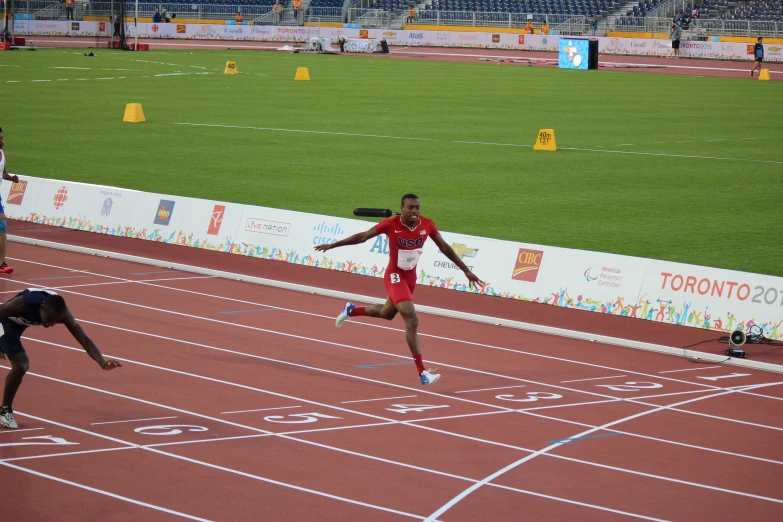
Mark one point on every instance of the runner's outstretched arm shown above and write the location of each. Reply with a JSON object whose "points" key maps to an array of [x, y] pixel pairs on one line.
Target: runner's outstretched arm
{"points": [[89, 346], [355, 239]]}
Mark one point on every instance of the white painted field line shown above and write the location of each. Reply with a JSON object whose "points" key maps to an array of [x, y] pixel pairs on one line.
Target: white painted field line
{"points": [[131, 420], [561, 332], [123, 282], [596, 378], [429, 428], [153, 449], [102, 492], [66, 453], [428, 470], [491, 389], [580, 149], [19, 431], [381, 399], [261, 409], [493, 476], [692, 369], [202, 463], [377, 417]]}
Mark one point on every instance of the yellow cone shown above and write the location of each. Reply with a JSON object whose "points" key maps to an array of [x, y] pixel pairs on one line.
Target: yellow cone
{"points": [[231, 68], [545, 140], [133, 113], [302, 74], [764, 74]]}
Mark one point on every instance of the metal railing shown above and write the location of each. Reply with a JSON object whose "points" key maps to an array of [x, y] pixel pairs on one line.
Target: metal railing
{"points": [[326, 14], [701, 28], [198, 11], [378, 18]]}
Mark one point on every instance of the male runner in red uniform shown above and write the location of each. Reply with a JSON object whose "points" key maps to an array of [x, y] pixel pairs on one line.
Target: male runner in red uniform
{"points": [[407, 234]]}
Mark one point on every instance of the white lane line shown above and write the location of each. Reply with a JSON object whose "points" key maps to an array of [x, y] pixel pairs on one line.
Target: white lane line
{"points": [[206, 464], [428, 428], [261, 409], [382, 399], [694, 369], [131, 420], [312, 443], [596, 378], [451, 503], [19, 431], [102, 492], [491, 389], [580, 149], [65, 454]]}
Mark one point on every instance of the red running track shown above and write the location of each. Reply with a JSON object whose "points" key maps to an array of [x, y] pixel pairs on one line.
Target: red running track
{"points": [[243, 402]]}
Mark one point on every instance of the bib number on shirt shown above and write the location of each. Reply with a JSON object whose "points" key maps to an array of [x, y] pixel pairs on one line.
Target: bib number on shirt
{"points": [[408, 259], [395, 278]]}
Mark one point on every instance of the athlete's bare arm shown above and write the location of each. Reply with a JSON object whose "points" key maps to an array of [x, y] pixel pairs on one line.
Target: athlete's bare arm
{"points": [[355, 239], [13, 307], [454, 258], [89, 346], [13, 178]]}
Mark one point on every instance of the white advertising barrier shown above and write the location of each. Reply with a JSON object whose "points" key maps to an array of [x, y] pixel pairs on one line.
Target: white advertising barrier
{"points": [[21, 199], [409, 38], [673, 293], [712, 298], [198, 223], [285, 235], [85, 207]]}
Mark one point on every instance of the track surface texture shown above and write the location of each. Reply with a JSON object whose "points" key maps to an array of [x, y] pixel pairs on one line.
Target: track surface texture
{"points": [[243, 402]]}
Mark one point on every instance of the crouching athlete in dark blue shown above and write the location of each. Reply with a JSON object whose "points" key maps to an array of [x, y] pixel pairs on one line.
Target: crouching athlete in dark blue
{"points": [[34, 308]]}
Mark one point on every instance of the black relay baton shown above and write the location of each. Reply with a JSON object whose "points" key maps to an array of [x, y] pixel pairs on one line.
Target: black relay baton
{"points": [[374, 212]]}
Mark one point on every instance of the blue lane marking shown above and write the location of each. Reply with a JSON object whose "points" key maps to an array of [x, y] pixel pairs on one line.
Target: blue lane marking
{"points": [[383, 364], [172, 271], [572, 440], [235, 312]]}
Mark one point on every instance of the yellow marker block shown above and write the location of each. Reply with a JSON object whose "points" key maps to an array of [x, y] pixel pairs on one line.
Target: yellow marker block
{"points": [[133, 113], [764, 74], [545, 140], [231, 68], [302, 74]]}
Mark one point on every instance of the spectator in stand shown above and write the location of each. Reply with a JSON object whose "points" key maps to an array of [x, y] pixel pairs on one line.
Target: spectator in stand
{"points": [[530, 28], [238, 18], [297, 9], [678, 17], [156, 17], [69, 9], [695, 13], [277, 9], [412, 14], [545, 28], [758, 56], [165, 16], [676, 34]]}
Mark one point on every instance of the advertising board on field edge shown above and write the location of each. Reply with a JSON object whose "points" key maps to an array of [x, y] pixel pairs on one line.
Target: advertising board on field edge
{"points": [[653, 290]]}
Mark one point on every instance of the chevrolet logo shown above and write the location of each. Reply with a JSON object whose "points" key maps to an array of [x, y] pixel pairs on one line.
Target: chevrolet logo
{"points": [[464, 251]]}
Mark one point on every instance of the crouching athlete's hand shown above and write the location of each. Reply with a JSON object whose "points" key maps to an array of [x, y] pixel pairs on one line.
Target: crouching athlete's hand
{"points": [[110, 365]]}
